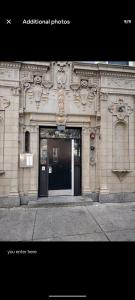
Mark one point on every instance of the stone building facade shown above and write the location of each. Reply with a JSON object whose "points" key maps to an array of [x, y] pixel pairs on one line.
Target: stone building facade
{"points": [[66, 128]]}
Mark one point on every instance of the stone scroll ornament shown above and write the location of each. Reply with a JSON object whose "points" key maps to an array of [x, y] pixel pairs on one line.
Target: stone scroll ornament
{"points": [[84, 93], [120, 109]]}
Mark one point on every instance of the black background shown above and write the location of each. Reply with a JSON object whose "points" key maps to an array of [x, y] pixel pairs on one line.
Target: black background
{"points": [[95, 269]]}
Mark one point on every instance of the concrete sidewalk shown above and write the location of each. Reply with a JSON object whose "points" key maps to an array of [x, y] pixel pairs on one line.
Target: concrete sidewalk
{"points": [[97, 222]]}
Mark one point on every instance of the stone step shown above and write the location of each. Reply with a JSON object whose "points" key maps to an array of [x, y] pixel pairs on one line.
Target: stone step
{"points": [[60, 201]]}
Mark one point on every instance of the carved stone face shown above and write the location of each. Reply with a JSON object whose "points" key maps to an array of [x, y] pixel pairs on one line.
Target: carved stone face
{"points": [[37, 79]]}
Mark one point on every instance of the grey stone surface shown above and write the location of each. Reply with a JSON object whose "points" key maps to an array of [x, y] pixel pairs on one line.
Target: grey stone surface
{"points": [[94, 196], [60, 201], [97, 237], [122, 235], [63, 221], [9, 202], [26, 199], [116, 197], [97, 222], [16, 224], [114, 216]]}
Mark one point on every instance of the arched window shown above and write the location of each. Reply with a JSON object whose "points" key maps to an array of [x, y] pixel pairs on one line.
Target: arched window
{"points": [[27, 142]]}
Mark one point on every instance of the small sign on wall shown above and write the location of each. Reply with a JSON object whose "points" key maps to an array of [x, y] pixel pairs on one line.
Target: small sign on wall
{"points": [[26, 160], [43, 168]]}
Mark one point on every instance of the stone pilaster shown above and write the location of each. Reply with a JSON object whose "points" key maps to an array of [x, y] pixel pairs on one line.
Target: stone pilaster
{"points": [[13, 138], [103, 147], [86, 160], [34, 142]]}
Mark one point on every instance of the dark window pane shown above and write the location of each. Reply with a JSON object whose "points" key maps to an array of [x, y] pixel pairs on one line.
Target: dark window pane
{"points": [[27, 141]]}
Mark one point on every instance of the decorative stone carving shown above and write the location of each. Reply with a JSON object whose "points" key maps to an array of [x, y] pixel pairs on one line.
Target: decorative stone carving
{"points": [[61, 77], [120, 109], [16, 91], [121, 173], [84, 93], [4, 103], [103, 96], [61, 101], [121, 83], [61, 118], [86, 129], [37, 89]]}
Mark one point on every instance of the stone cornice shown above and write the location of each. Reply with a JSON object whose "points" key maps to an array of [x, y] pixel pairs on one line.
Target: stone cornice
{"points": [[98, 70], [6, 64], [33, 66]]}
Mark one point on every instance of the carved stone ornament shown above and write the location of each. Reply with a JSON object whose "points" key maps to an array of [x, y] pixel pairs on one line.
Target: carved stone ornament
{"points": [[120, 109], [61, 119], [37, 90], [121, 173], [61, 77], [61, 97], [4, 103], [16, 91], [103, 96], [84, 93]]}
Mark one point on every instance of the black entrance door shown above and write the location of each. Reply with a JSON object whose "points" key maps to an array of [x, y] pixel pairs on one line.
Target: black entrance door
{"points": [[59, 164]]}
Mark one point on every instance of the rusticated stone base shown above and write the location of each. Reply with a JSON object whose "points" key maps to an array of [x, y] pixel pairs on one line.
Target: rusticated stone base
{"points": [[8, 202], [24, 200], [117, 197], [93, 195]]}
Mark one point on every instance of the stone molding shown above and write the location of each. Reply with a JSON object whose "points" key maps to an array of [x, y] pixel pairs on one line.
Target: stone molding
{"points": [[10, 65], [103, 69]]}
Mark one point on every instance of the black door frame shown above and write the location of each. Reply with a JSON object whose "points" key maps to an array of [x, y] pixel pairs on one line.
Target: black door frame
{"points": [[80, 180]]}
